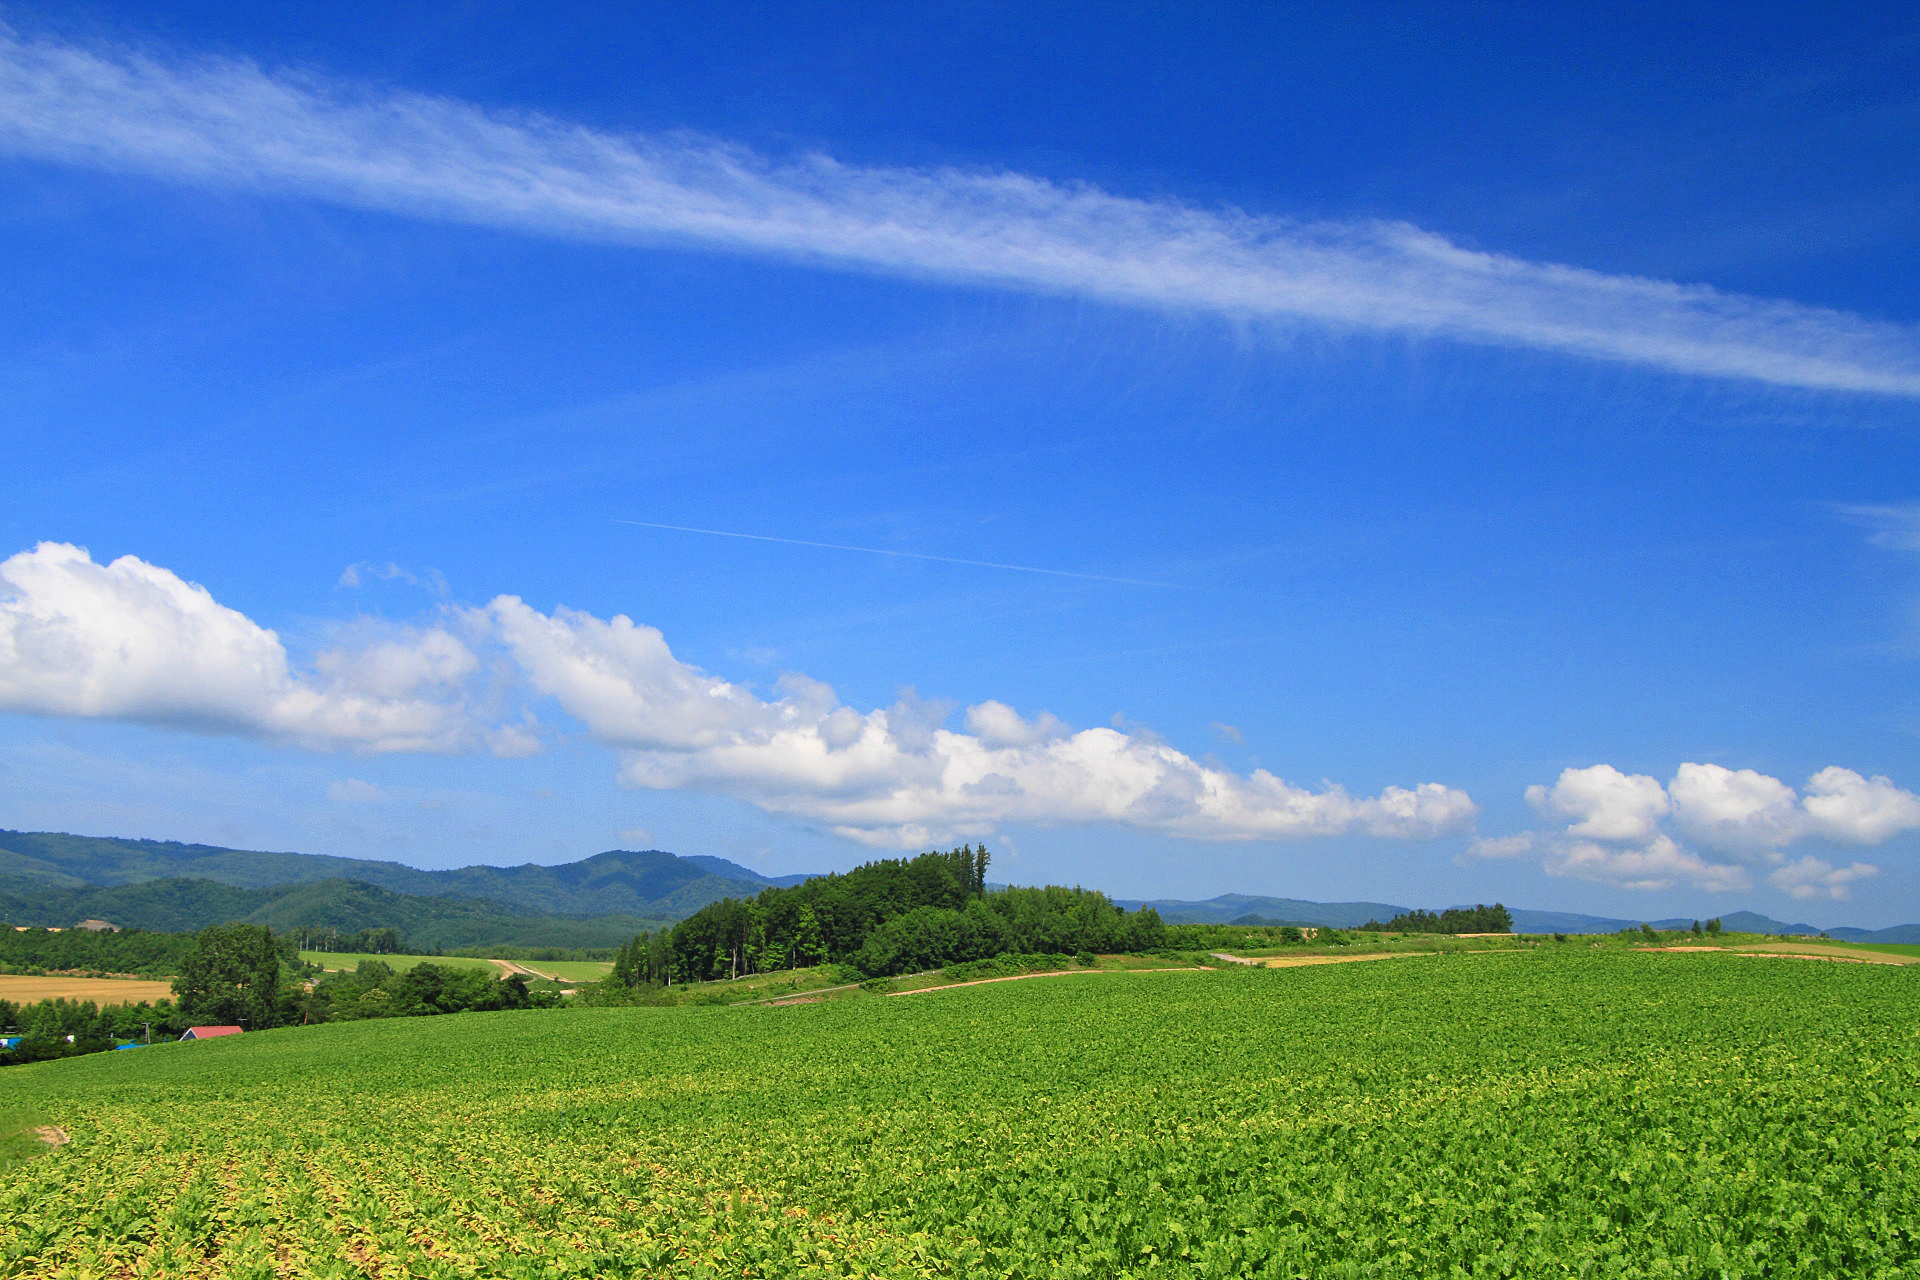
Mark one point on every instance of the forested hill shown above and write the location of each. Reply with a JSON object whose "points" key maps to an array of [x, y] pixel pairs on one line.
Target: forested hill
{"points": [[650, 884], [179, 905]]}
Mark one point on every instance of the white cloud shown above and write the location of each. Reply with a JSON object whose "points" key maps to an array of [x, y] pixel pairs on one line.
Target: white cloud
{"points": [[1895, 525], [228, 123], [132, 641], [897, 776], [1656, 863], [355, 791], [1817, 878], [1845, 806], [1603, 802], [1615, 827], [1735, 808]]}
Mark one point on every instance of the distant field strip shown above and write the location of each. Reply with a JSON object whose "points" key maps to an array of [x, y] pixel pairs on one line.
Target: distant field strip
{"points": [[1555, 1113], [339, 960], [26, 990]]}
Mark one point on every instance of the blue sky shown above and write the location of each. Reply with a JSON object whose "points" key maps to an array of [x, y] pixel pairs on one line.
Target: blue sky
{"points": [[1485, 441]]}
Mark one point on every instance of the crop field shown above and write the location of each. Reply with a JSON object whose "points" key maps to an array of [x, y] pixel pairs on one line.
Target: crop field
{"points": [[1543, 1113], [26, 989], [351, 960]]}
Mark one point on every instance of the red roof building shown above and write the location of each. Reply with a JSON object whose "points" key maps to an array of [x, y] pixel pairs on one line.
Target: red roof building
{"points": [[208, 1033]]}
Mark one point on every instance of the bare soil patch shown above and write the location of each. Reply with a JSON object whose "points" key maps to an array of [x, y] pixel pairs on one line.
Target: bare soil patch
{"points": [[52, 1134], [1297, 962]]}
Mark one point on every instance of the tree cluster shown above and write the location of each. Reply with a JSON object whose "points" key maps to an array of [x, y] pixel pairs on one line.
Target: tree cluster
{"points": [[375, 990], [891, 916], [134, 951], [1474, 919], [61, 1028]]}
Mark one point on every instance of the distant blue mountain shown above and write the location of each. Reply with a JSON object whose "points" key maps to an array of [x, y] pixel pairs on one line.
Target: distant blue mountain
{"points": [[1229, 907], [646, 883]]}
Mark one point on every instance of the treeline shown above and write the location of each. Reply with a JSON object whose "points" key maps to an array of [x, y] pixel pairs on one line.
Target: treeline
{"points": [[61, 1028], [892, 916], [1475, 919], [146, 955], [373, 942]]}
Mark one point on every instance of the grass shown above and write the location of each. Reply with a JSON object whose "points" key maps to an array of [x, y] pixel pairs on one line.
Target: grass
{"points": [[571, 970], [1562, 1111]]}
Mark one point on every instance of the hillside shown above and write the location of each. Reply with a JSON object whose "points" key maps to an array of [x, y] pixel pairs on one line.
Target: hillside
{"points": [[648, 883], [176, 905], [1347, 1120]]}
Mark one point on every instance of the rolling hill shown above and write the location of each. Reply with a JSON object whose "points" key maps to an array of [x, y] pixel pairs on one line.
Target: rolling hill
{"points": [[56, 878], [181, 904]]}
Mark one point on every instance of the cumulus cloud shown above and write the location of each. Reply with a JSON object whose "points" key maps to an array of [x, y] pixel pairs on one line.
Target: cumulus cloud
{"points": [[1817, 878], [1616, 827], [1603, 802], [229, 123], [132, 641], [897, 776]]}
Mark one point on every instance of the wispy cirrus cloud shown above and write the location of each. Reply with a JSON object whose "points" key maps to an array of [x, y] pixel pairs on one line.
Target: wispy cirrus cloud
{"points": [[234, 124]]}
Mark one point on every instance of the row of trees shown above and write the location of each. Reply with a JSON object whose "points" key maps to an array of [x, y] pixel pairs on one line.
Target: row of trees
{"points": [[894, 915], [376, 942], [1475, 919]]}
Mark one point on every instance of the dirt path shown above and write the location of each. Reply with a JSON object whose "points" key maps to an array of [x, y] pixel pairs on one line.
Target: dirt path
{"points": [[1297, 962], [1050, 973], [510, 967]]}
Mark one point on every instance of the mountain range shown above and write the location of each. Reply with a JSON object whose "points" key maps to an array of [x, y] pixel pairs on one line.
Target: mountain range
{"points": [[55, 878], [52, 878], [1240, 908]]}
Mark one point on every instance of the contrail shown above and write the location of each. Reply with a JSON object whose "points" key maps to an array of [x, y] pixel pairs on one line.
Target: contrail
{"points": [[904, 555]]}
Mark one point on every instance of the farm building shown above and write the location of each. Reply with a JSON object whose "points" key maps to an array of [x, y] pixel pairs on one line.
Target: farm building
{"points": [[209, 1033]]}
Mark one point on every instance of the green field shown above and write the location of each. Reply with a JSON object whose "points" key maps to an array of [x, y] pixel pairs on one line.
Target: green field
{"points": [[572, 970], [1891, 948], [1528, 1113], [352, 959]]}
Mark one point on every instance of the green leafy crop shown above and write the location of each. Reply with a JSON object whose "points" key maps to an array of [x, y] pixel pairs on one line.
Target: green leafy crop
{"points": [[1542, 1113]]}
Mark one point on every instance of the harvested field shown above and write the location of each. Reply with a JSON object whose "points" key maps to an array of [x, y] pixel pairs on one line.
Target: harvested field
{"points": [[25, 990]]}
